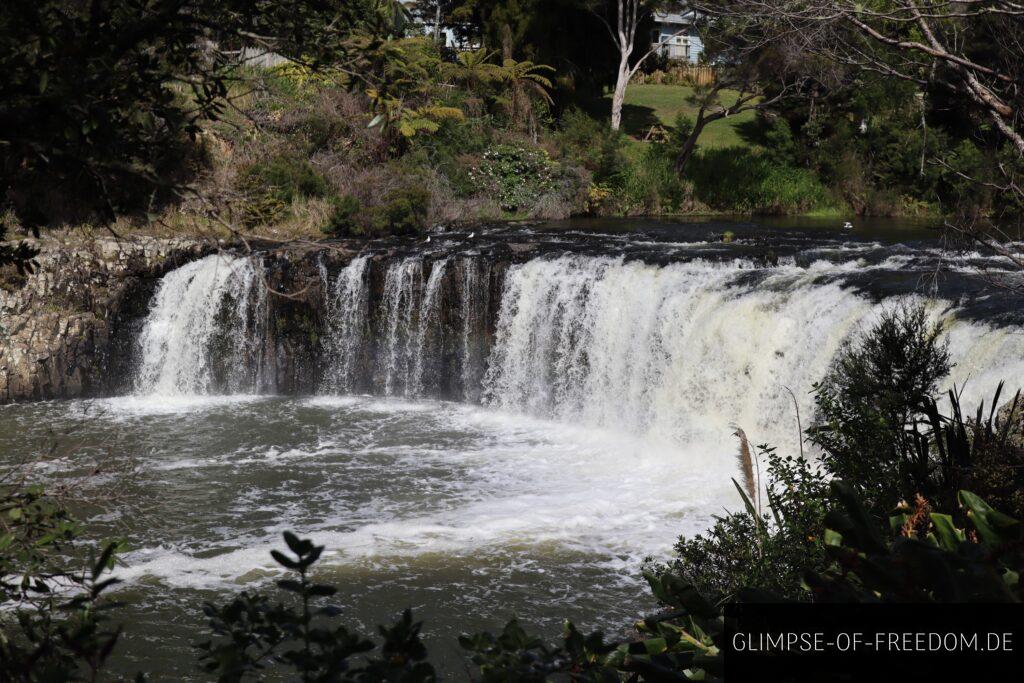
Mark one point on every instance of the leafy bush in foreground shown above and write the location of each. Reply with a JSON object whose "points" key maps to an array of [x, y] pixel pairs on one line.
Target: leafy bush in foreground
{"points": [[770, 549], [252, 633], [870, 404]]}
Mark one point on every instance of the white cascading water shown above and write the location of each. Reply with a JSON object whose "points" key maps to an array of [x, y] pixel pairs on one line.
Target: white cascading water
{"points": [[428, 317], [677, 353], [215, 298], [402, 291], [347, 302]]}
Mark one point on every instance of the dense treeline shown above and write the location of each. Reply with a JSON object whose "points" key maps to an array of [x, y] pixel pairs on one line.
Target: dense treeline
{"points": [[155, 110]]}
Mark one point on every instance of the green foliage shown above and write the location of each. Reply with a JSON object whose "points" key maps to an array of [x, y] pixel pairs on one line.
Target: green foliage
{"points": [[342, 219], [740, 179], [271, 187], [930, 560], [33, 527], [285, 177], [682, 643], [104, 101], [55, 626], [404, 212], [515, 174], [21, 255], [870, 403], [592, 143], [772, 550], [651, 184], [252, 634]]}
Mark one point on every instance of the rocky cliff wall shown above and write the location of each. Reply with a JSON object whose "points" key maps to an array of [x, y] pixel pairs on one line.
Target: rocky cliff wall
{"points": [[62, 327]]}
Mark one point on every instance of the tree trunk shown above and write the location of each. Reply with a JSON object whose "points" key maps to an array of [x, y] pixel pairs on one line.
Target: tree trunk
{"points": [[619, 94], [691, 143]]}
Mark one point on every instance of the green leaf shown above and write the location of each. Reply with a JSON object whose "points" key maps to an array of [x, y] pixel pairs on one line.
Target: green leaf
{"points": [[948, 536], [284, 560], [749, 505], [991, 524], [298, 546], [290, 585]]}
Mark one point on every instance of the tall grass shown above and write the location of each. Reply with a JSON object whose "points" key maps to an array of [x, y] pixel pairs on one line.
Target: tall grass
{"points": [[739, 179]]}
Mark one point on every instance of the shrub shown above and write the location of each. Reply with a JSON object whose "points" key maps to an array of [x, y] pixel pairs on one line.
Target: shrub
{"points": [[273, 185], [404, 212], [342, 219], [929, 560], [997, 456], [285, 177], [651, 183], [517, 175], [871, 400], [591, 143], [739, 179], [251, 633], [750, 548]]}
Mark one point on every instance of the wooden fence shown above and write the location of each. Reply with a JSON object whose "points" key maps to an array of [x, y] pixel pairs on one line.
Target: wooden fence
{"points": [[680, 74]]}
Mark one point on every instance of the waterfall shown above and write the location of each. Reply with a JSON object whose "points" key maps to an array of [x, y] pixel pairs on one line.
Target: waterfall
{"points": [[402, 290], [205, 323], [347, 305], [678, 352], [429, 317], [673, 352]]}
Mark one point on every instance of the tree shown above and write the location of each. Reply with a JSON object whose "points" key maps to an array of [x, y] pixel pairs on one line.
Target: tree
{"points": [[628, 16], [756, 67], [525, 83], [553, 32], [967, 53], [103, 102], [869, 406]]}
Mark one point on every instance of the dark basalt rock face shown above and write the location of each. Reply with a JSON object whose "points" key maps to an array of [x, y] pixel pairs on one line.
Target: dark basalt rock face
{"points": [[71, 329], [65, 330]]}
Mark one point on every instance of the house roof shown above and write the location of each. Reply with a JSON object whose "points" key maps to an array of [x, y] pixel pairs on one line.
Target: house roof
{"points": [[680, 18]]}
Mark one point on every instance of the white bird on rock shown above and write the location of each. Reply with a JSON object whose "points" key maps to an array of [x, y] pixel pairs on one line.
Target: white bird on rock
{"points": [[847, 225], [471, 235]]}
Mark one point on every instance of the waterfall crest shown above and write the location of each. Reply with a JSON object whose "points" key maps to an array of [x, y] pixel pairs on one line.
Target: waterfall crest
{"points": [[347, 302]]}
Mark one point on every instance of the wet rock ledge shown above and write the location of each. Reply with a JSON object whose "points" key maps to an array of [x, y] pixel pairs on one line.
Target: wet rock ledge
{"points": [[62, 327]]}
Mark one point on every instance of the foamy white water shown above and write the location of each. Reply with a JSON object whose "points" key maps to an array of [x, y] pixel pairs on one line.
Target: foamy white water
{"points": [[677, 353], [217, 296]]}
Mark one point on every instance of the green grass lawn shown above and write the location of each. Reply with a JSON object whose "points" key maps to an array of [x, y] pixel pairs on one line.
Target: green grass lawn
{"points": [[649, 105]]}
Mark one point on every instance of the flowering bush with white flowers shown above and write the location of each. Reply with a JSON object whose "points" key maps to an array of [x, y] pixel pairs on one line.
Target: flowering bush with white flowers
{"points": [[516, 175]]}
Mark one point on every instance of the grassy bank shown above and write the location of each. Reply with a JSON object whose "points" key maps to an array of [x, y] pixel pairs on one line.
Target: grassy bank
{"points": [[652, 105]]}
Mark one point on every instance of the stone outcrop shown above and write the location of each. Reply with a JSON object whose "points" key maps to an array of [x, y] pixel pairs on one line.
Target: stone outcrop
{"points": [[63, 328]]}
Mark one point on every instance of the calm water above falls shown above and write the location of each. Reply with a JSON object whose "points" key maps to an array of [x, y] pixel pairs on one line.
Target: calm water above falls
{"points": [[595, 387]]}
